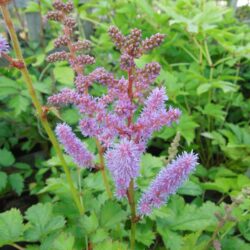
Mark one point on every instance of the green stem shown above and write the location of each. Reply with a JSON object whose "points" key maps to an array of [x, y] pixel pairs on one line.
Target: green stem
{"points": [[131, 200], [102, 168], [38, 106]]}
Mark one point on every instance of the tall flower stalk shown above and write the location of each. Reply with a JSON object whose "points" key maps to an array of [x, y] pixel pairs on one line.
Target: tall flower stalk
{"points": [[40, 112], [123, 120]]}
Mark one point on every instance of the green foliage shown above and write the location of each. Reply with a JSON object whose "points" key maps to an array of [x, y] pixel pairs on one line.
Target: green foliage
{"points": [[6, 158], [11, 227], [42, 222]]}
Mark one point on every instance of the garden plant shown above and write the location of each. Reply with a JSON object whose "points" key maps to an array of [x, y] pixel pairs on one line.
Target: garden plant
{"points": [[124, 125]]}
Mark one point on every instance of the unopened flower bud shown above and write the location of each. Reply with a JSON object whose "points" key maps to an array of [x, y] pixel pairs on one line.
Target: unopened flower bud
{"points": [[70, 22], [58, 56], [152, 42], [65, 7], [61, 41], [133, 42], [55, 15], [80, 45], [117, 37], [127, 62]]}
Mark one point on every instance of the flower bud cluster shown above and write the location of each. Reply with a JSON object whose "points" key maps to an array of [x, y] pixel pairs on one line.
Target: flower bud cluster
{"points": [[132, 46], [65, 7], [55, 16], [58, 56], [74, 49], [61, 41], [117, 37], [152, 42], [80, 45]]}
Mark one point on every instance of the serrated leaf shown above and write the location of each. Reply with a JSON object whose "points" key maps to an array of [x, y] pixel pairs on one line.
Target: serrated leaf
{"points": [[222, 185], [215, 111], [19, 104], [172, 240], [64, 75], [11, 227], [144, 234], [190, 217], [187, 128], [3, 180], [17, 183], [64, 242], [99, 236], [234, 243], [112, 214], [42, 222], [190, 188], [90, 223], [6, 158], [110, 245]]}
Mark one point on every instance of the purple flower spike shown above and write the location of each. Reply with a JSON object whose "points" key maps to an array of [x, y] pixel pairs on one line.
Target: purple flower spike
{"points": [[167, 182], [4, 46], [73, 146], [123, 163]]}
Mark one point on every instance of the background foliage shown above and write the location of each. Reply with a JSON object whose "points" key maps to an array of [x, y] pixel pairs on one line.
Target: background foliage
{"points": [[205, 68]]}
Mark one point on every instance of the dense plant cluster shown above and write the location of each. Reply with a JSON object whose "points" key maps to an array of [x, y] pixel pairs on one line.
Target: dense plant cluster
{"points": [[122, 143]]}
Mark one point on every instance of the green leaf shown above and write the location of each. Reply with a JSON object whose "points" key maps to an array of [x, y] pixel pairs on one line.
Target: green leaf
{"points": [[64, 75], [42, 222], [225, 86], [17, 183], [214, 110], [90, 223], [150, 164], [244, 227], [110, 245], [190, 188], [172, 240], [234, 243], [112, 214], [144, 234], [3, 180], [190, 217], [11, 227], [6, 158], [64, 242], [99, 236], [222, 185], [19, 104], [187, 127], [203, 88]]}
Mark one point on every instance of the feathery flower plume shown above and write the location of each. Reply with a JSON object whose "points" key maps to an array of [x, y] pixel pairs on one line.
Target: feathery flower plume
{"points": [[154, 114], [167, 182], [123, 162], [74, 147], [4, 46]]}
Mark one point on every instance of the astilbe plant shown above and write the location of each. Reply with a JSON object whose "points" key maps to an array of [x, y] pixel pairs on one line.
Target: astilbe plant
{"points": [[121, 135]]}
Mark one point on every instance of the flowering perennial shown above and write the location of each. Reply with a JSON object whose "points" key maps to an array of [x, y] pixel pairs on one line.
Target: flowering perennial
{"points": [[114, 118]]}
